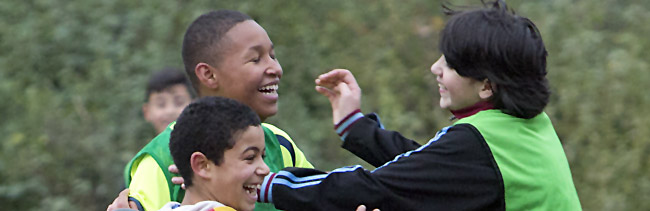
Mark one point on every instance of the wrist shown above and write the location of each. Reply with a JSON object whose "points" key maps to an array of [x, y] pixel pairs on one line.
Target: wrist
{"points": [[264, 193], [343, 126]]}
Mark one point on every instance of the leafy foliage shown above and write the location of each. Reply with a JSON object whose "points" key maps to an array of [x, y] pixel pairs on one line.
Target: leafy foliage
{"points": [[72, 77]]}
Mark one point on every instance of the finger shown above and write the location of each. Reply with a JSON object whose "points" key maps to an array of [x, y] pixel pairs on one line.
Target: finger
{"points": [[177, 180], [327, 84], [342, 88], [123, 197], [334, 75], [361, 208], [133, 205], [173, 169], [325, 91]]}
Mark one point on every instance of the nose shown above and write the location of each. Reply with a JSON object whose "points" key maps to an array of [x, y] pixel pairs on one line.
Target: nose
{"points": [[436, 68], [274, 69], [263, 169]]}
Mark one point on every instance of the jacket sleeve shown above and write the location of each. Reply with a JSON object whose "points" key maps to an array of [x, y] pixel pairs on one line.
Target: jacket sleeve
{"points": [[365, 137], [454, 171]]}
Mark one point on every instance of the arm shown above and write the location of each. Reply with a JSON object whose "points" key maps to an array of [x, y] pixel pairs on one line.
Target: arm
{"points": [[376, 146], [454, 171], [148, 186], [364, 137]]}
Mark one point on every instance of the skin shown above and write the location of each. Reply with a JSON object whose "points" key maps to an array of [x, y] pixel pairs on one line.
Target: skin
{"points": [[230, 181], [165, 106], [248, 72], [458, 92]]}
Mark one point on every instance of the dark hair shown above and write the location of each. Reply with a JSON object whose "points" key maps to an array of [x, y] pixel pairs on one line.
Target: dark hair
{"points": [[164, 79], [209, 125], [202, 40], [494, 43]]}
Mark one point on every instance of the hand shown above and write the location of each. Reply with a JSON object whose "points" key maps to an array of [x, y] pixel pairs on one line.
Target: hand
{"points": [[342, 90], [176, 180], [122, 201], [363, 208]]}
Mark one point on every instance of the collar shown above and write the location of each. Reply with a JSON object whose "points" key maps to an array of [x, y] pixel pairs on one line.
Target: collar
{"points": [[471, 110]]}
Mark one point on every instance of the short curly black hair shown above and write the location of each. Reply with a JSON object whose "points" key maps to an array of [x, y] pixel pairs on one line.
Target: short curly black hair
{"points": [[209, 125], [494, 43]]}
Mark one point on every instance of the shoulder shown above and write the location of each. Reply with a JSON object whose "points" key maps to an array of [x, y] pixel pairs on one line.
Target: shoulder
{"points": [[276, 130], [459, 139]]}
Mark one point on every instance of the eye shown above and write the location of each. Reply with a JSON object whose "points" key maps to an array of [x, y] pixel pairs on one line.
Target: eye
{"points": [[255, 60], [272, 55]]}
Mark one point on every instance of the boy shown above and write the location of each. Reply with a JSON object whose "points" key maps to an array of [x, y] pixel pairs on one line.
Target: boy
{"points": [[167, 93], [502, 153], [228, 54], [218, 147]]}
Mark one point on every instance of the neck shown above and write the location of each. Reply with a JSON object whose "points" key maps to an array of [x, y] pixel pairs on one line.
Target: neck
{"points": [[471, 110], [194, 195]]}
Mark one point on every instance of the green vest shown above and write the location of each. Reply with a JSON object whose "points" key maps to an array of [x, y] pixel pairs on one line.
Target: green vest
{"points": [[158, 149], [530, 157]]}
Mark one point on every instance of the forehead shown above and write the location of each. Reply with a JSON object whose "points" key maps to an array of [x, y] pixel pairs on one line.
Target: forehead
{"points": [[246, 35], [252, 136]]}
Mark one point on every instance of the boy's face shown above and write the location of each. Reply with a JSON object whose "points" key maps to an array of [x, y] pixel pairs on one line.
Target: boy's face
{"points": [[249, 71], [456, 92], [235, 181], [164, 107]]}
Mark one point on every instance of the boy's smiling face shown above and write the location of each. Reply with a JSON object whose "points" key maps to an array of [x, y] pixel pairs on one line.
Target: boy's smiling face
{"points": [[235, 181], [249, 71], [164, 107], [457, 92]]}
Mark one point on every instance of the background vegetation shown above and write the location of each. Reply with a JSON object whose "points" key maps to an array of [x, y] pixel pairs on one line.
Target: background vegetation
{"points": [[72, 77]]}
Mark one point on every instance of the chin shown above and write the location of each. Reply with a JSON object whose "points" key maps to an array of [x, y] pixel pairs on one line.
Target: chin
{"points": [[246, 207]]}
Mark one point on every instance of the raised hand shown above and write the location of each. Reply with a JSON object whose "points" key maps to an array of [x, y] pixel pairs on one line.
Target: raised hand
{"points": [[342, 90]]}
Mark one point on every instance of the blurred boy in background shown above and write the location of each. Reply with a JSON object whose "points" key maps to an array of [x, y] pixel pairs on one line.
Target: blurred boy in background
{"points": [[167, 93]]}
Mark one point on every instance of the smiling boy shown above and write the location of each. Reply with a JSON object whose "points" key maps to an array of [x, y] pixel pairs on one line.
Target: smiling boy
{"points": [[501, 154], [227, 54], [218, 145]]}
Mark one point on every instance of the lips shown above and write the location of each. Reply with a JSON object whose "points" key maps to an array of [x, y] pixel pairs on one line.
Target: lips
{"points": [[442, 88]]}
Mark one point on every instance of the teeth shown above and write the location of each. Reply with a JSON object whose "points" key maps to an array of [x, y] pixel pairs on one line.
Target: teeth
{"points": [[259, 186], [269, 88]]}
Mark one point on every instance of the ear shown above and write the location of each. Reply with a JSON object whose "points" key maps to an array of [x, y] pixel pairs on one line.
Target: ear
{"points": [[485, 90], [145, 112], [207, 75], [201, 165]]}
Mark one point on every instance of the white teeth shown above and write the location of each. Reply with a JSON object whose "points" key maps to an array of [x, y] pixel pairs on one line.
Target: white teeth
{"points": [[269, 89], [259, 186]]}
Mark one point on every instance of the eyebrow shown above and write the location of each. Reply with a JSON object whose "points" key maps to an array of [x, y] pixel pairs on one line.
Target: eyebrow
{"points": [[261, 48], [252, 148]]}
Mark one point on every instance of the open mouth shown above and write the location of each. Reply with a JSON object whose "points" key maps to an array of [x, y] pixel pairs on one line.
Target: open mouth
{"points": [[269, 90], [252, 189]]}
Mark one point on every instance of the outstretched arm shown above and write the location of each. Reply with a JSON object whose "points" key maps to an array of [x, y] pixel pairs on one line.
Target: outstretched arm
{"points": [[342, 90]]}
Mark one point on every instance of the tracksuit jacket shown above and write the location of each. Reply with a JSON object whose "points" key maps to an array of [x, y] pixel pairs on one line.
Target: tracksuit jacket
{"points": [[487, 161]]}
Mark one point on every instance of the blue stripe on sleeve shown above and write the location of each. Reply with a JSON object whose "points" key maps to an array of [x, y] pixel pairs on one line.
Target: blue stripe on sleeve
{"points": [[406, 154], [348, 122]]}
